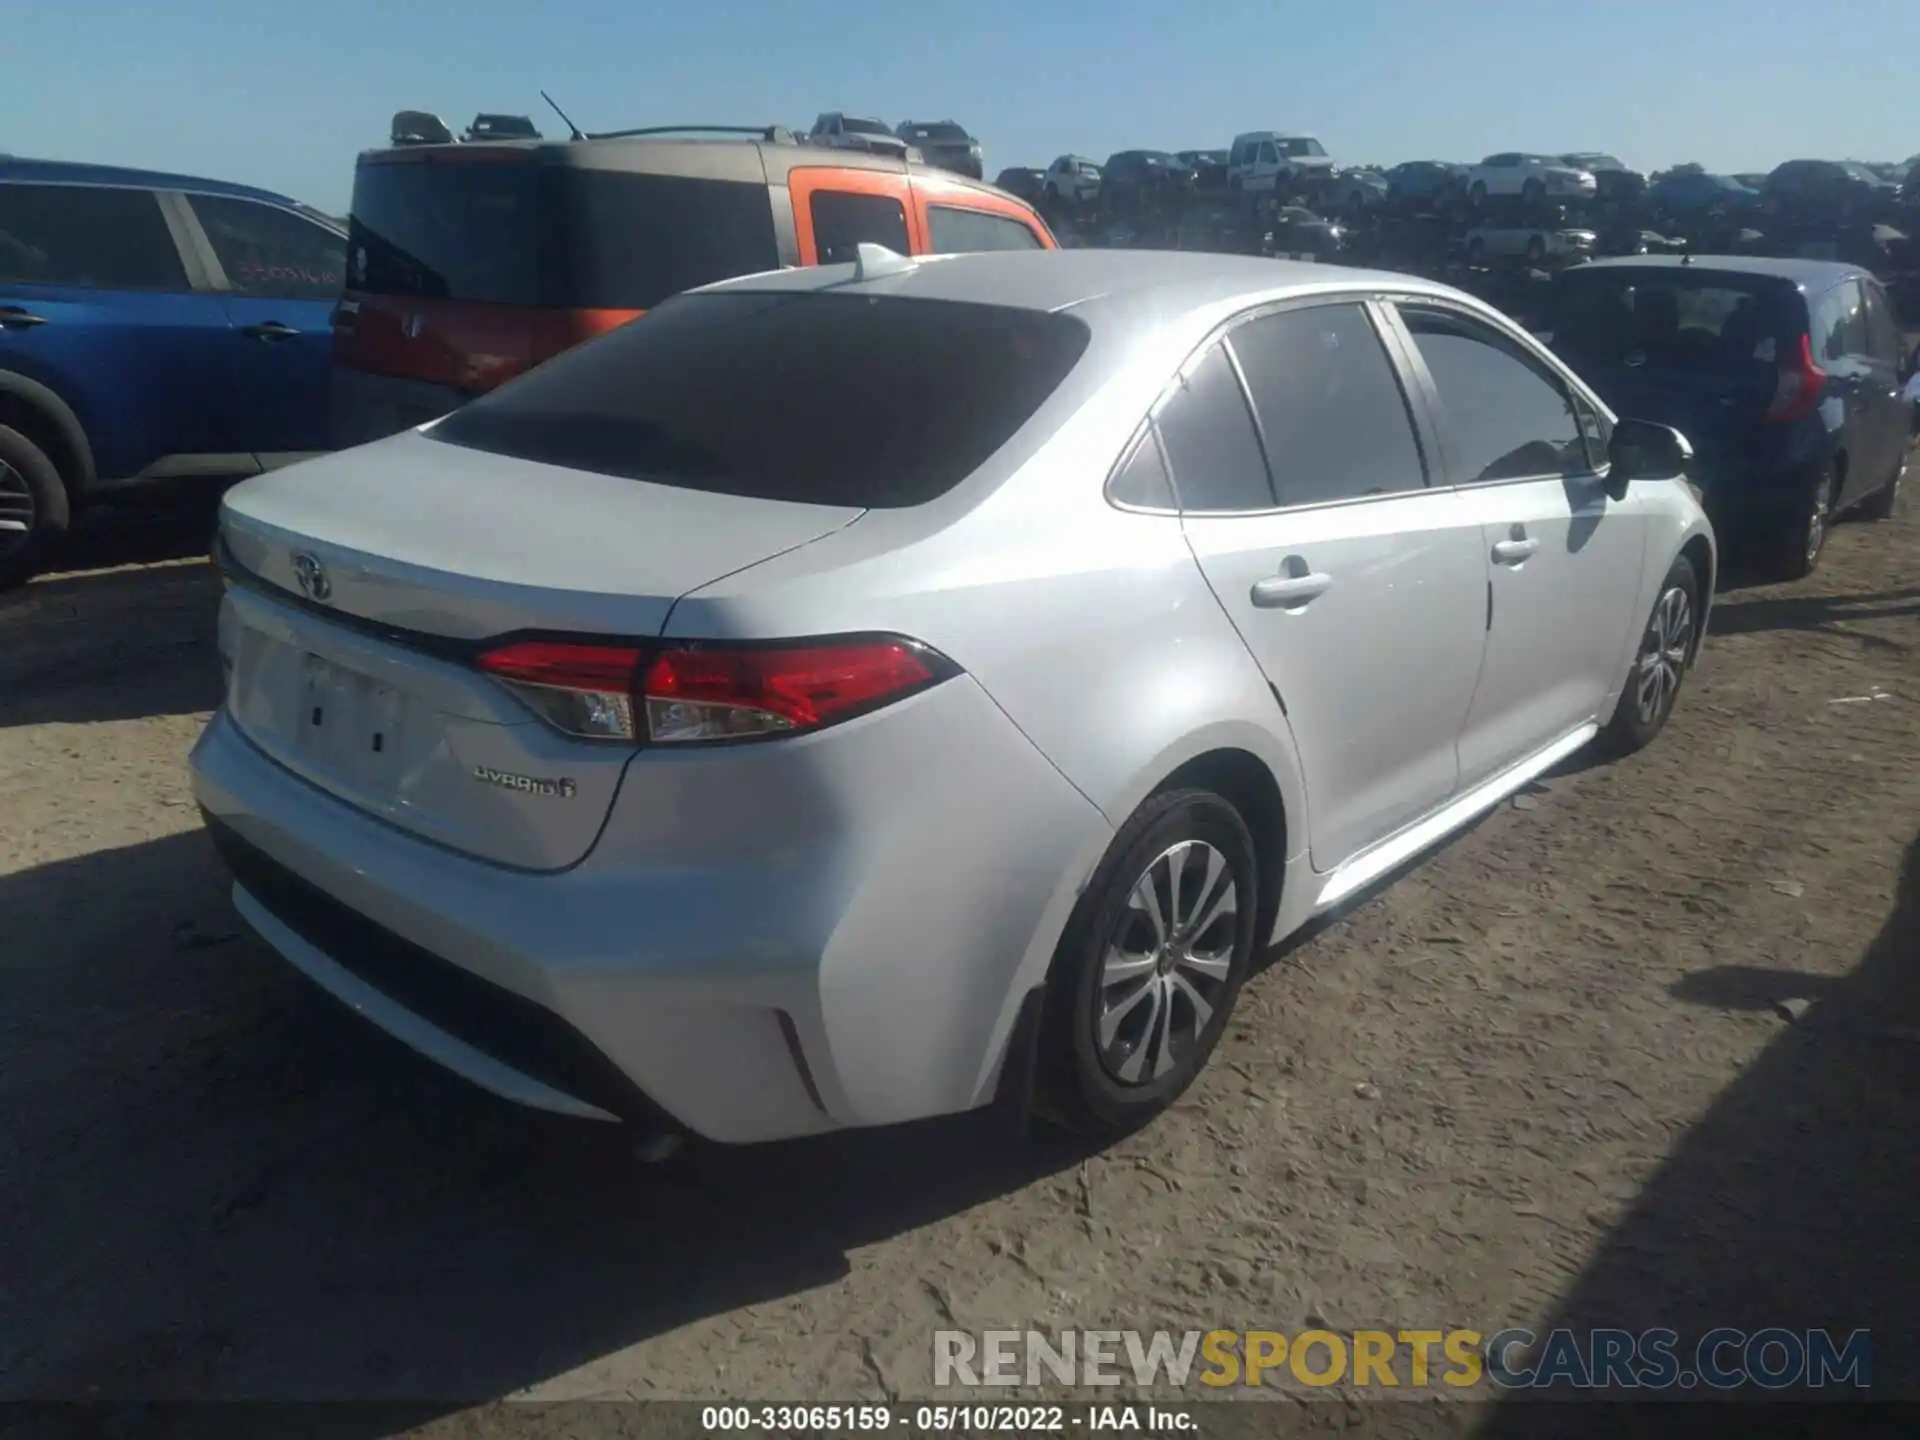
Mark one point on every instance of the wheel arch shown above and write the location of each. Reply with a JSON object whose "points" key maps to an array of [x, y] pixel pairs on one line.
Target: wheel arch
{"points": [[43, 417], [1698, 551], [1245, 782]]}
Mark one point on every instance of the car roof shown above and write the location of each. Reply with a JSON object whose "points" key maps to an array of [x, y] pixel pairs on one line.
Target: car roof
{"points": [[1807, 274], [1053, 280], [69, 172], [762, 162]]}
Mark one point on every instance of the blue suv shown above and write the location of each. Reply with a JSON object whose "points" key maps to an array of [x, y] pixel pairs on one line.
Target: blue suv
{"points": [[151, 327], [1786, 375]]}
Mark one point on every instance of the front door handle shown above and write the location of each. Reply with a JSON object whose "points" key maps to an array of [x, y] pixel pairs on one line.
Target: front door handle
{"points": [[269, 330], [1288, 592], [1514, 552], [12, 317]]}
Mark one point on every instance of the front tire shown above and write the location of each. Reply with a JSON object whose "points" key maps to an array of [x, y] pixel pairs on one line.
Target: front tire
{"points": [[1149, 966], [1660, 664], [33, 508]]}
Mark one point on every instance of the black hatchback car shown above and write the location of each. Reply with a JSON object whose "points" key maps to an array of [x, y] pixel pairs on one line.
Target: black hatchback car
{"points": [[1785, 374]]}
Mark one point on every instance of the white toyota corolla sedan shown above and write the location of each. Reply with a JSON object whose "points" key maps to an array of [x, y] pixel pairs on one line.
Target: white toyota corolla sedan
{"points": [[845, 692]]}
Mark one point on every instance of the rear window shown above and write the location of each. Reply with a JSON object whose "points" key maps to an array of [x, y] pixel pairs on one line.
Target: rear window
{"points": [[446, 232], [1615, 318], [1302, 146], [814, 397], [953, 133], [520, 234]]}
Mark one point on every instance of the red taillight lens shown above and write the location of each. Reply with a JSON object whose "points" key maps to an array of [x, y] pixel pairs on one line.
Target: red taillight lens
{"points": [[585, 690], [727, 694], [1801, 384], [698, 692]]}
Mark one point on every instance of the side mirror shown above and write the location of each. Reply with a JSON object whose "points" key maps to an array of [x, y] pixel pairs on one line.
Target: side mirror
{"points": [[1642, 450]]}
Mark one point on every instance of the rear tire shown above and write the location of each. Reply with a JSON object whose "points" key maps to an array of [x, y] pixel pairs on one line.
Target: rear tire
{"points": [[1149, 967], [1660, 663], [31, 495], [1881, 504], [1797, 552]]}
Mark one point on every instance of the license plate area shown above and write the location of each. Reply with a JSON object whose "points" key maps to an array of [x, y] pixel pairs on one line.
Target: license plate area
{"points": [[349, 725]]}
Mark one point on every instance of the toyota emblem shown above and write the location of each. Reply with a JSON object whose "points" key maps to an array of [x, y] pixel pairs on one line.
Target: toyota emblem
{"points": [[312, 576]]}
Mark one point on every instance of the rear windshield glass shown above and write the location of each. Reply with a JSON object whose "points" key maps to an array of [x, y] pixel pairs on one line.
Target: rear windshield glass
{"points": [[1302, 146], [954, 133], [819, 398], [1623, 317], [853, 125], [520, 234], [446, 232]]}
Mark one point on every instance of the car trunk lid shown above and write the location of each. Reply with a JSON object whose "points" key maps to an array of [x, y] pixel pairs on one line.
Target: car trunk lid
{"points": [[367, 582]]}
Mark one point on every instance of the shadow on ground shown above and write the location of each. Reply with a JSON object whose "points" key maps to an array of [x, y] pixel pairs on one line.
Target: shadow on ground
{"points": [[262, 1195], [93, 642], [1791, 1202], [1826, 613]]}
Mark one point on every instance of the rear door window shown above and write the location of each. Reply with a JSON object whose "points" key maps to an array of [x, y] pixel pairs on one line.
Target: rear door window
{"points": [[1883, 331], [1503, 416], [270, 252], [953, 229], [1333, 419], [1840, 322], [786, 396], [446, 231], [843, 221], [94, 236], [620, 241], [1141, 481], [1210, 443]]}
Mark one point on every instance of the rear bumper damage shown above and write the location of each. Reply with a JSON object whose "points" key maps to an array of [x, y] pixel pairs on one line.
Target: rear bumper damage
{"points": [[838, 931]]}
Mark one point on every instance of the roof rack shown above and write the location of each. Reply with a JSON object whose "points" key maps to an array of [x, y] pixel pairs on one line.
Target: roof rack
{"points": [[772, 134]]}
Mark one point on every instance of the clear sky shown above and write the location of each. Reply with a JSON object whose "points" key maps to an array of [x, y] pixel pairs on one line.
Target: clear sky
{"points": [[282, 93]]}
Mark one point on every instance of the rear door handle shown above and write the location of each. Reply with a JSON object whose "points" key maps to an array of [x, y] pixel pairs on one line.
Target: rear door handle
{"points": [[1513, 552], [1285, 592], [12, 317], [269, 330]]}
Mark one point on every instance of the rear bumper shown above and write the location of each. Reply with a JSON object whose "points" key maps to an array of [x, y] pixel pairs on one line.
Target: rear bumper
{"points": [[367, 407], [1742, 492], [860, 960]]}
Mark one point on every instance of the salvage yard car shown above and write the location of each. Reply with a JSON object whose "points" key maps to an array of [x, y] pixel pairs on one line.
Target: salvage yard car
{"points": [[726, 797], [1534, 178], [153, 327], [472, 263], [943, 143], [1786, 376]]}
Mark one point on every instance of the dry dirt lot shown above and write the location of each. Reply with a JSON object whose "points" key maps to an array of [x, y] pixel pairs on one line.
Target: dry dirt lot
{"points": [[1561, 1069]]}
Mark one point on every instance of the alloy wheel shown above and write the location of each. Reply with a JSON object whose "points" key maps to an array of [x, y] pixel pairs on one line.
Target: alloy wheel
{"points": [[1817, 525], [1165, 969], [17, 509], [1663, 654]]}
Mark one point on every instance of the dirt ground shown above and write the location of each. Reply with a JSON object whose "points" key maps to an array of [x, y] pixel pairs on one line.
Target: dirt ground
{"points": [[1558, 1070]]}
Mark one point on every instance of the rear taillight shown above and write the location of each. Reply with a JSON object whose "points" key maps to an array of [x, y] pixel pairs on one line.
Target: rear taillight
{"points": [[704, 692], [1801, 384]]}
